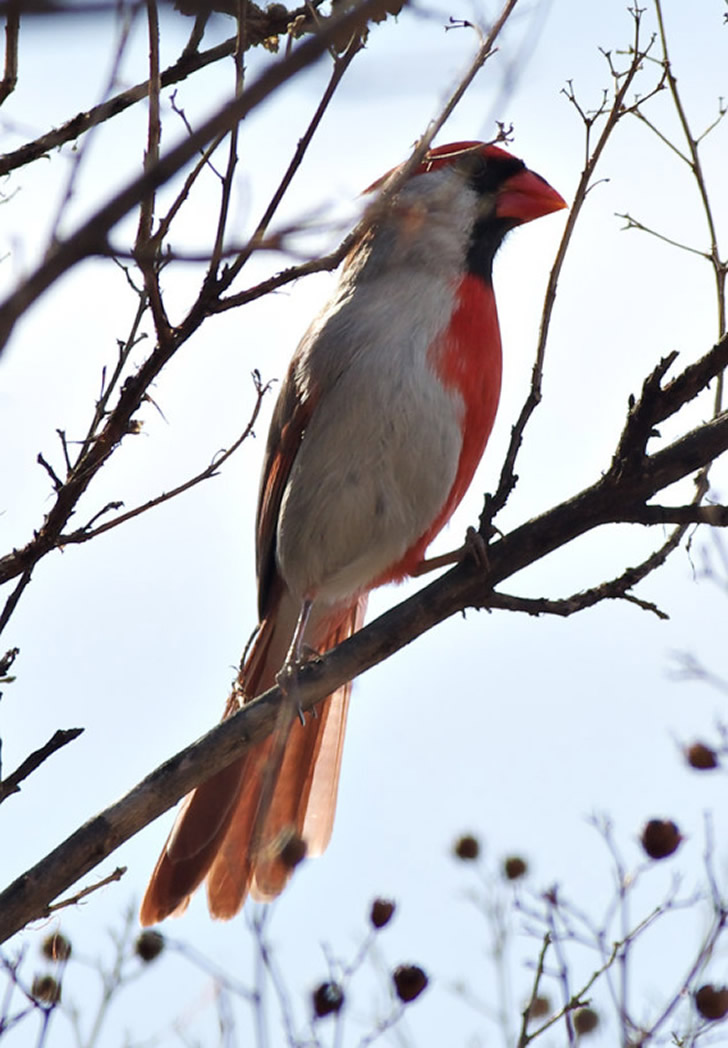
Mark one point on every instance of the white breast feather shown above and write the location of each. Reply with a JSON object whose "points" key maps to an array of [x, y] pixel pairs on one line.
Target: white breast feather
{"points": [[380, 454]]}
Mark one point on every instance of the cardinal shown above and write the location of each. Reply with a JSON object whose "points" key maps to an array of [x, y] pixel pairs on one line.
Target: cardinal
{"points": [[379, 426]]}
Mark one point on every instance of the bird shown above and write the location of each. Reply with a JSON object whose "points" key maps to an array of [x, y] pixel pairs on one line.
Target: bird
{"points": [[379, 425]]}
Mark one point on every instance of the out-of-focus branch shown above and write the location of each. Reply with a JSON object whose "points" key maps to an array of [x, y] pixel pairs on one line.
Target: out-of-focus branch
{"points": [[10, 75], [262, 26], [91, 237], [99, 445], [341, 64], [389, 189]]}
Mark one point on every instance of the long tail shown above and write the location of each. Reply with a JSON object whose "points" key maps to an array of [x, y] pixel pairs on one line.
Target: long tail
{"points": [[222, 832]]}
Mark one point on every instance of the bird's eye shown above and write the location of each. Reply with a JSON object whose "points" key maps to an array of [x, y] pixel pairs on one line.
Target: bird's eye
{"points": [[474, 166]]}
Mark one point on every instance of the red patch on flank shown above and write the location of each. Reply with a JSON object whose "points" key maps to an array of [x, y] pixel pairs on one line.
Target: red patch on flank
{"points": [[468, 359]]}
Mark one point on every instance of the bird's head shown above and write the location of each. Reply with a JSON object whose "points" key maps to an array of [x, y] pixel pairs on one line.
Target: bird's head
{"points": [[468, 194]]}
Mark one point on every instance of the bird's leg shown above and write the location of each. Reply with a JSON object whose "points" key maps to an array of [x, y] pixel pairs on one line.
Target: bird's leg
{"points": [[474, 547], [287, 677], [295, 651]]}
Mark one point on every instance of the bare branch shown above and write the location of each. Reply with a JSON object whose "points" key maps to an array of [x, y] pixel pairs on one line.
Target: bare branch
{"points": [[262, 25], [227, 180], [341, 64], [466, 585], [100, 444], [6, 661], [91, 236], [115, 875], [10, 76], [615, 112], [714, 516], [89, 532], [33, 762], [392, 186], [527, 1013], [694, 162], [633, 223], [12, 601], [57, 483]]}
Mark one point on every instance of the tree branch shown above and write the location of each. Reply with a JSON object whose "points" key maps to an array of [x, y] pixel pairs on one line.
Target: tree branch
{"points": [[99, 446], [91, 236], [262, 26], [31, 763], [88, 532], [615, 112], [10, 75], [612, 498]]}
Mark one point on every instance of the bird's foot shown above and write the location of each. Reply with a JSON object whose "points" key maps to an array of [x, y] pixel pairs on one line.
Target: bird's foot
{"points": [[475, 547], [287, 676]]}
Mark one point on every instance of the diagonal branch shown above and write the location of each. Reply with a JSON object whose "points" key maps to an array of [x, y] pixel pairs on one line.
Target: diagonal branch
{"points": [[392, 185], [88, 532], [612, 498], [34, 760], [262, 25], [91, 237], [120, 421]]}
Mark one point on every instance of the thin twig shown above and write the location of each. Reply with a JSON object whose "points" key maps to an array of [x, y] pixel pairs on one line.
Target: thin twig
{"points": [[389, 189], [633, 223], [273, 23], [88, 532], [527, 1015], [227, 181], [78, 155], [92, 235], [507, 479], [148, 260], [31, 763], [720, 267], [73, 900], [12, 601], [341, 64]]}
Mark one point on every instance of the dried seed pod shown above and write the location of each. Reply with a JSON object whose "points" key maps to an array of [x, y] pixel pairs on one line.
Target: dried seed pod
{"points": [[660, 838], [46, 989], [327, 999], [148, 946], [712, 1001], [56, 947], [514, 867], [409, 982], [381, 912], [701, 757], [539, 1007], [586, 1021], [467, 847]]}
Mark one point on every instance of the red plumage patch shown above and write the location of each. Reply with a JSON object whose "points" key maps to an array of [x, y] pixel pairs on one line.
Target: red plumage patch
{"points": [[468, 359]]}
